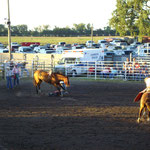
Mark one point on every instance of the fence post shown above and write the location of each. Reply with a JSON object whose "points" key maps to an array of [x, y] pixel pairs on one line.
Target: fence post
{"points": [[32, 68], [95, 70], [65, 69], [87, 69], [4, 71], [125, 73]]}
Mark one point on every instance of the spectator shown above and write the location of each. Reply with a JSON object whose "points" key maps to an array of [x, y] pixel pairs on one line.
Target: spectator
{"points": [[9, 78], [105, 72], [113, 72], [11, 65], [143, 71], [137, 71], [16, 73]]}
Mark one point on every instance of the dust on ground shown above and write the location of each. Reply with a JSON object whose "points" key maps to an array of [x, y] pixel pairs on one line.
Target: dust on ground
{"points": [[95, 115]]}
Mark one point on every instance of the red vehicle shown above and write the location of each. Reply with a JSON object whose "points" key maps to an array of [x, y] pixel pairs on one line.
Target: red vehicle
{"points": [[30, 43], [145, 39]]}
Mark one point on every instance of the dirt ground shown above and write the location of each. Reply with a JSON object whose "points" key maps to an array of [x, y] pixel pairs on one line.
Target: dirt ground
{"points": [[95, 115]]}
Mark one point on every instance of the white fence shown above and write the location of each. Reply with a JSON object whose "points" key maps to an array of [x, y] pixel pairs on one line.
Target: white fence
{"points": [[27, 68], [127, 70], [1, 70]]}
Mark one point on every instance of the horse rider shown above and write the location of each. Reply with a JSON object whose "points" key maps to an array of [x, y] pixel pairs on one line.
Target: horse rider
{"points": [[147, 89]]}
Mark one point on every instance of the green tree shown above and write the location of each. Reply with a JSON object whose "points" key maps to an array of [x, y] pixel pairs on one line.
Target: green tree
{"points": [[22, 29], [118, 20], [80, 28], [132, 16], [3, 30], [143, 12], [14, 31]]}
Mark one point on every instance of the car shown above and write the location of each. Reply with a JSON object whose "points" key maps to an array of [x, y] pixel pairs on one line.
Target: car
{"points": [[1, 44], [4, 50], [89, 43], [37, 49], [33, 46], [136, 44], [15, 44], [46, 51], [115, 42], [62, 43], [14, 48], [103, 43], [24, 49], [79, 46], [123, 44], [133, 48]]}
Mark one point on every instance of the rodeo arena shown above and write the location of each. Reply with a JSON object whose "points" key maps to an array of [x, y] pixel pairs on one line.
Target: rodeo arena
{"points": [[83, 97]]}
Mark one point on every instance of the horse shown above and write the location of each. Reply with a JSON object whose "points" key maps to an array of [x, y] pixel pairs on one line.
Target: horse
{"points": [[53, 78], [144, 105]]}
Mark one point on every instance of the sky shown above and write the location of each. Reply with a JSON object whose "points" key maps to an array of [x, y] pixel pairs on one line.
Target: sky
{"points": [[60, 13]]}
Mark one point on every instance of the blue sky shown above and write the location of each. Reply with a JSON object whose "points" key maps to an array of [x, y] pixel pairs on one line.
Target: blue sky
{"points": [[60, 13]]}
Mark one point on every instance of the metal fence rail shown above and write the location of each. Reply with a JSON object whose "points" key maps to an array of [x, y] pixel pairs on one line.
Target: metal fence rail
{"points": [[123, 70], [1, 70], [127, 70]]}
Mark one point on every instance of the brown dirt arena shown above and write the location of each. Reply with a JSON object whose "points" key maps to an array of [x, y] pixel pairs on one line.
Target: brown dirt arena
{"points": [[96, 115]]}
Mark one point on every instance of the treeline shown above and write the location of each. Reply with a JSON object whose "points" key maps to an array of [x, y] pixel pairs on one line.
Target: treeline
{"points": [[44, 30]]}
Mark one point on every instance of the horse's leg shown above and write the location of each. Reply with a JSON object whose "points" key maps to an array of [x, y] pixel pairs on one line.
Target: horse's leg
{"points": [[148, 118], [35, 84], [144, 112], [140, 112], [39, 87], [148, 107], [37, 91]]}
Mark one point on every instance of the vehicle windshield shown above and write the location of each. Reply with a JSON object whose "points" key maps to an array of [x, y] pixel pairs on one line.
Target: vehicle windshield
{"points": [[27, 49], [103, 41], [67, 61], [90, 41]]}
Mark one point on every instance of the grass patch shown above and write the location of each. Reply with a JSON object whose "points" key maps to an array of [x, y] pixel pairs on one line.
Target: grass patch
{"points": [[51, 40]]}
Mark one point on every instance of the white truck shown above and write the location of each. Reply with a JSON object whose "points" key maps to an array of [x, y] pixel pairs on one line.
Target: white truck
{"points": [[77, 62]]}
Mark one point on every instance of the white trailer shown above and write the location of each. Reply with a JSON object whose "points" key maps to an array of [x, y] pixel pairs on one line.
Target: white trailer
{"points": [[76, 61]]}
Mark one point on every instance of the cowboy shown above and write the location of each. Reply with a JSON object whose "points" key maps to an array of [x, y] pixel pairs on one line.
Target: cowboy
{"points": [[147, 81], [147, 89], [9, 78], [16, 73]]}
